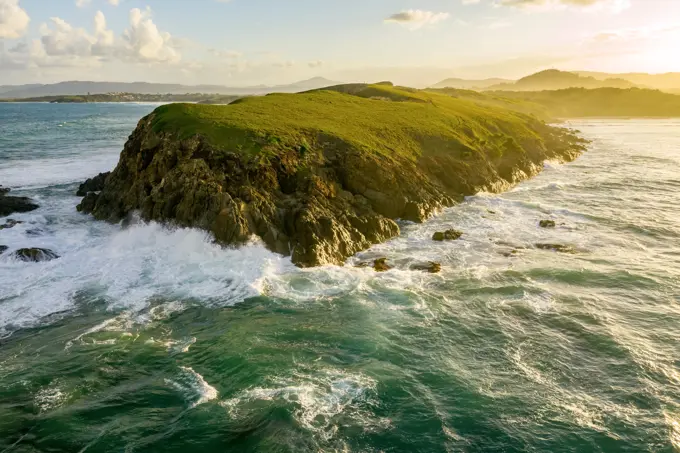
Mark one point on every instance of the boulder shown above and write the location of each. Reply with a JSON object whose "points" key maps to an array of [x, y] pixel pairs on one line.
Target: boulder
{"points": [[3, 249], [10, 223], [448, 235], [35, 255], [95, 184], [547, 224], [431, 267], [88, 203], [561, 248], [10, 205], [380, 265]]}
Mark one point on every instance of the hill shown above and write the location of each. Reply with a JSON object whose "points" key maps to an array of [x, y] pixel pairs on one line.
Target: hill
{"points": [[321, 175], [464, 84], [83, 88], [553, 79], [666, 82], [602, 102]]}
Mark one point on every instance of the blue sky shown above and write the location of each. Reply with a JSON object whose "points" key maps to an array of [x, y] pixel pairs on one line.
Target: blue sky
{"points": [[417, 42]]}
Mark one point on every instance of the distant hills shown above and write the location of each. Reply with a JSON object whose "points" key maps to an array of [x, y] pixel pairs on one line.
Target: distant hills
{"points": [[554, 79], [477, 85], [82, 88]]}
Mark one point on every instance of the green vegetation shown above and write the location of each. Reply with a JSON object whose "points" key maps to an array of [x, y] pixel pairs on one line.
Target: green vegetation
{"points": [[603, 102], [381, 119]]}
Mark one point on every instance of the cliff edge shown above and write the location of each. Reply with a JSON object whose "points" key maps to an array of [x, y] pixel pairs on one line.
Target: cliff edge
{"points": [[321, 175]]}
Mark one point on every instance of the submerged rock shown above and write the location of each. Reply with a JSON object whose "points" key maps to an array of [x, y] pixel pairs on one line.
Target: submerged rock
{"points": [[95, 184], [380, 265], [547, 224], [9, 205], [448, 235], [3, 249], [35, 255], [431, 267], [557, 248], [10, 223]]}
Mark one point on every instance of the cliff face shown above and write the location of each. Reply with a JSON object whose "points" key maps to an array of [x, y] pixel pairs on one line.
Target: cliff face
{"points": [[309, 191]]}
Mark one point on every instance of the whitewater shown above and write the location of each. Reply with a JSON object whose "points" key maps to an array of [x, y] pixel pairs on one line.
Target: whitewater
{"points": [[145, 337]]}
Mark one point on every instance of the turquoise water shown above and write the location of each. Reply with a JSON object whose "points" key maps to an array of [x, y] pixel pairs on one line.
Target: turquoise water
{"points": [[148, 339]]}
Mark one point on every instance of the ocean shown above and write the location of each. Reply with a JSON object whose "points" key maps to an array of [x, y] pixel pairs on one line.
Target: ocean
{"points": [[147, 338]]}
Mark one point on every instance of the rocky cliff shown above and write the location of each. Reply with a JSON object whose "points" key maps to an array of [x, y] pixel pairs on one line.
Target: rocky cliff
{"points": [[323, 175]]}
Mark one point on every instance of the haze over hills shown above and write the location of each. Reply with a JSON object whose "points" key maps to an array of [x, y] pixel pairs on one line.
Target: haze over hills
{"points": [[553, 79], [84, 87], [463, 84]]}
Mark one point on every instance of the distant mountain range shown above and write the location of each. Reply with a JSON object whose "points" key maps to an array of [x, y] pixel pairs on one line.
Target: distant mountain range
{"points": [[82, 88], [553, 79], [463, 84]]}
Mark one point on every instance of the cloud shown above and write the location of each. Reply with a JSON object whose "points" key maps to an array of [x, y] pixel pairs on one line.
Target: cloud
{"points": [[83, 3], [315, 64], [62, 45], [114, 2], [144, 42], [593, 5], [414, 19], [13, 19]]}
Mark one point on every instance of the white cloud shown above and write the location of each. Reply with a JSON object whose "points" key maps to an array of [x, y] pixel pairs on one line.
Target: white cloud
{"points": [[414, 19], [114, 2], [83, 3], [144, 42], [62, 45], [592, 5], [13, 19]]}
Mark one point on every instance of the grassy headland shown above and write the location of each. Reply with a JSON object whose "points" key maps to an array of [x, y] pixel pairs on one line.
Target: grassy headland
{"points": [[322, 175]]}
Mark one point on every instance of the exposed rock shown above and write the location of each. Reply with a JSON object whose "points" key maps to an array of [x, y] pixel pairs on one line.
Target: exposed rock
{"points": [[547, 224], [557, 248], [3, 249], [431, 267], [10, 205], [95, 184], [10, 223], [510, 253], [448, 235], [35, 255], [88, 203], [316, 195], [380, 265]]}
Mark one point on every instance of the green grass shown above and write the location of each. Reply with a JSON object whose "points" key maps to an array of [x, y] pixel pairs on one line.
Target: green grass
{"points": [[382, 119]]}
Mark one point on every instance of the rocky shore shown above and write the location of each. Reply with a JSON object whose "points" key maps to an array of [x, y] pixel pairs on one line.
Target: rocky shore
{"points": [[320, 176]]}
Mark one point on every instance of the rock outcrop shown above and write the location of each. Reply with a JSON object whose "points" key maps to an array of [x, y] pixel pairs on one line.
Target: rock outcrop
{"points": [[35, 255], [95, 184], [547, 224], [9, 205], [448, 235], [319, 189], [3, 249]]}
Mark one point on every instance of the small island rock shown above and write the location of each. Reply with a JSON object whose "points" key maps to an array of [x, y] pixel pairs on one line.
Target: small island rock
{"points": [[380, 265], [547, 224], [448, 235], [35, 255], [10, 205], [3, 249]]}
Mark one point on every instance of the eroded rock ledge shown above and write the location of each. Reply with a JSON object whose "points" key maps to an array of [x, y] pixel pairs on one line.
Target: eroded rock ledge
{"points": [[312, 192]]}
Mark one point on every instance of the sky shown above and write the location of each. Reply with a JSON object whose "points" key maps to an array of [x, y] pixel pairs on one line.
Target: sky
{"points": [[252, 42]]}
